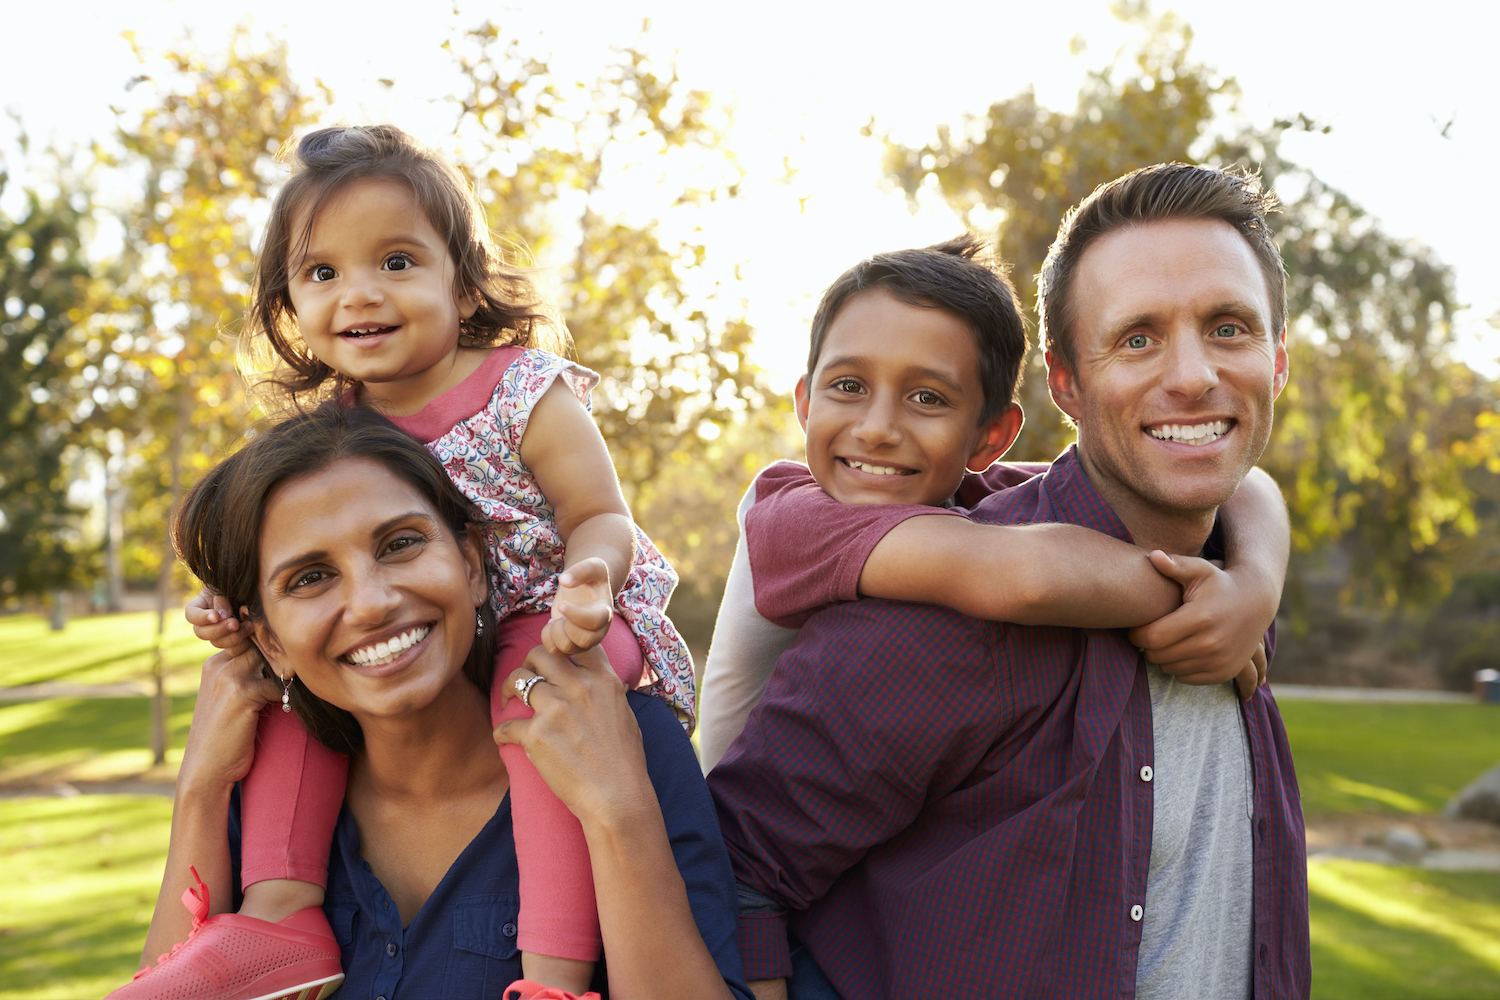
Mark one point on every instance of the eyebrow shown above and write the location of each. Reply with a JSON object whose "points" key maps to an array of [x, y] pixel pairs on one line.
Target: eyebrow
{"points": [[932, 373], [316, 554]]}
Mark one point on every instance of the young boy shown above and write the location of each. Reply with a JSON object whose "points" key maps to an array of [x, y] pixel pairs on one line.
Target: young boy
{"points": [[906, 406]]}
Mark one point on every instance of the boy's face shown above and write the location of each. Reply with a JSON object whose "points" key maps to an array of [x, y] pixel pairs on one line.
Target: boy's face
{"points": [[892, 411]]}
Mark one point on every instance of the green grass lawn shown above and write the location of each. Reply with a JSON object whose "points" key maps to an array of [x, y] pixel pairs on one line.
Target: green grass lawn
{"points": [[81, 880], [85, 739], [1403, 933], [1388, 757], [103, 649]]}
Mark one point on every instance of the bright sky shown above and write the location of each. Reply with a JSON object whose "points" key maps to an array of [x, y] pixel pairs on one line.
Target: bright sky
{"points": [[805, 77]]}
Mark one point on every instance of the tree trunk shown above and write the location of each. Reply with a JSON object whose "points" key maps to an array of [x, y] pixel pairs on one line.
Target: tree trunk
{"points": [[159, 701]]}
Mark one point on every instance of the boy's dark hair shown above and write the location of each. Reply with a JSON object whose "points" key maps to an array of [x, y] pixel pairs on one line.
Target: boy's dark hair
{"points": [[959, 277], [217, 532], [1157, 193], [510, 310]]}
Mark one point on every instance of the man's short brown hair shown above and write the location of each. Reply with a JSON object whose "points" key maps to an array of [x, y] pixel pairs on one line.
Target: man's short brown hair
{"points": [[1157, 193]]}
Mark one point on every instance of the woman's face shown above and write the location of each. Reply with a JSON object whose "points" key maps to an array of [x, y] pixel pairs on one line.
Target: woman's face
{"points": [[368, 597]]}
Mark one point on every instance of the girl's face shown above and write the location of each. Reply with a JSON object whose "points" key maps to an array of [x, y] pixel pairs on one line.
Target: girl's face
{"points": [[374, 293], [368, 597]]}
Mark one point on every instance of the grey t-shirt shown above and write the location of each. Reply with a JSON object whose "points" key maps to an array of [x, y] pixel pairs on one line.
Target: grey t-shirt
{"points": [[1198, 929]]}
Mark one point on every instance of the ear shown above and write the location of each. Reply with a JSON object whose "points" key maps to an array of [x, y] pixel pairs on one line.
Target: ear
{"points": [[1282, 369], [1062, 383], [799, 395], [270, 648], [468, 302], [999, 433], [473, 552]]}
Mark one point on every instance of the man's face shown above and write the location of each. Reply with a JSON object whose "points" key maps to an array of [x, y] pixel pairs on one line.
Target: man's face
{"points": [[892, 410], [1177, 368]]}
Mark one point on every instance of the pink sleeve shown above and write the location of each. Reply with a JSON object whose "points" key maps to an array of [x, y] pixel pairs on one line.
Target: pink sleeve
{"points": [[806, 549]]}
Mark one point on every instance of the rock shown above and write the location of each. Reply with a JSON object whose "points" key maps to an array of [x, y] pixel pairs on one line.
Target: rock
{"points": [[1405, 844], [1480, 800]]}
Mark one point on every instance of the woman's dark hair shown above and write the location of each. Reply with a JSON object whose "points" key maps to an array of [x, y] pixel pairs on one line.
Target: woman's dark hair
{"points": [[217, 532], [961, 278], [510, 311]]}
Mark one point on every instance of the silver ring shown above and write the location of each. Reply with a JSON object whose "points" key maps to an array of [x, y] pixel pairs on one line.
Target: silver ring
{"points": [[524, 686]]}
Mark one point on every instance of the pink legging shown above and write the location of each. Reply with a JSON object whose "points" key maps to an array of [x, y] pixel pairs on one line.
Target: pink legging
{"points": [[290, 803]]}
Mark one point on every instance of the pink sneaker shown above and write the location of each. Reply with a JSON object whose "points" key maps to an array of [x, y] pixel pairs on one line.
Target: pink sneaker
{"points": [[525, 989], [230, 957]]}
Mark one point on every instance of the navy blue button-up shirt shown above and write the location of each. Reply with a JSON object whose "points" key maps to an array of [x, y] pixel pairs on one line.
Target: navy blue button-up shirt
{"points": [[462, 943], [951, 807]]}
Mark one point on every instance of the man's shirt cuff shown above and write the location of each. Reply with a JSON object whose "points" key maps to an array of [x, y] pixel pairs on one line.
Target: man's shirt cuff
{"points": [[763, 947]]}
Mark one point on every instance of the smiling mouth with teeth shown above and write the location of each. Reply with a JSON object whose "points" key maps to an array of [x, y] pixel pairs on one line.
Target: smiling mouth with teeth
{"points": [[367, 331], [877, 470], [1196, 434], [384, 652]]}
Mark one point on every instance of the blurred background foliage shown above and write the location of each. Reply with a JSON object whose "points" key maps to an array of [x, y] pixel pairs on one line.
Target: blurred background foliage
{"points": [[121, 354]]}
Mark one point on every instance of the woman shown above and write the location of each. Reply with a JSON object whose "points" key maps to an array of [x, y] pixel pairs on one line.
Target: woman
{"points": [[334, 531]]}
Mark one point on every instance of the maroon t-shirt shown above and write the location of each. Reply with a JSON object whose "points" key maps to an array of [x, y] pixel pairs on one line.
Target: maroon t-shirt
{"points": [[807, 550]]}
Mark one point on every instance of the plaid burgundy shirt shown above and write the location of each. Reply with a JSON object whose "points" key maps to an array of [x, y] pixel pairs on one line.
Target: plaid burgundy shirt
{"points": [[954, 808]]}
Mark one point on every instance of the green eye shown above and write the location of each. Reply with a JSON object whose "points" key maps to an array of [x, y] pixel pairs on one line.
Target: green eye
{"points": [[1138, 341], [1227, 330]]}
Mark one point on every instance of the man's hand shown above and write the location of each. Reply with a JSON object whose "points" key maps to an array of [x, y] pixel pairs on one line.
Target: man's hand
{"points": [[1210, 639], [582, 610]]}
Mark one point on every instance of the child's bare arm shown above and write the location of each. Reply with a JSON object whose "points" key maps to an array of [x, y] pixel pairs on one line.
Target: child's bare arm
{"points": [[1035, 574], [1225, 613], [565, 451]]}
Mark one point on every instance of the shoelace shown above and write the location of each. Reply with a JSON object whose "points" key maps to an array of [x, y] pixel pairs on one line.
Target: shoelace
{"points": [[197, 903]]}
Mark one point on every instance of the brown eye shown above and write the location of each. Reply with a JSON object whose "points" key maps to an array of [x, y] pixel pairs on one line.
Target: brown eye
{"points": [[398, 262], [324, 273]]}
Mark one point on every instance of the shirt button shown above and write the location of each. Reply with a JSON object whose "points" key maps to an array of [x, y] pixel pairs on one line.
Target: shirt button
{"points": [[390, 949], [509, 930], [1146, 772], [1136, 912]]}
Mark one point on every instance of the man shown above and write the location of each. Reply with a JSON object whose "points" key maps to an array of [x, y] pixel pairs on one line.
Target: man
{"points": [[950, 807]]}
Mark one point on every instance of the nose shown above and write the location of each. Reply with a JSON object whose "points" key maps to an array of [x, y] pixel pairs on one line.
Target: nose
{"points": [[878, 423], [371, 598], [362, 289], [1189, 372]]}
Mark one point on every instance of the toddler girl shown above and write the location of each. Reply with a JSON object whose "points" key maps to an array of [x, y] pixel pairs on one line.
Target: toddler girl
{"points": [[378, 280]]}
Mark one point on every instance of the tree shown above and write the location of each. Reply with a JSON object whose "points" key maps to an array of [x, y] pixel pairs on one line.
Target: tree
{"points": [[1376, 432], [585, 174], [43, 285]]}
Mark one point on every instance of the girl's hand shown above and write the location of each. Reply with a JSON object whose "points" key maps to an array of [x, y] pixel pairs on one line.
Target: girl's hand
{"points": [[582, 609], [583, 738], [221, 742], [1211, 638], [214, 623]]}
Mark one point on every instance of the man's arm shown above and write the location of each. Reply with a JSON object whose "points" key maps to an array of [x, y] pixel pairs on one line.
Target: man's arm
{"points": [[875, 710]]}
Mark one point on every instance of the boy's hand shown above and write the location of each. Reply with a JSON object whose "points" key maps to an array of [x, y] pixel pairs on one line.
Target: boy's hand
{"points": [[1212, 637], [214, 623], [582, 610]]}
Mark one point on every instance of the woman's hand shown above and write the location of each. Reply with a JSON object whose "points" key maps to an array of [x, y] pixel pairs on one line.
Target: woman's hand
{"points": [[221, 742], [583, 738]]}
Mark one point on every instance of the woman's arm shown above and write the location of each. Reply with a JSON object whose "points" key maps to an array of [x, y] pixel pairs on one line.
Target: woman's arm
{"points": [[565, 451], [1035, 574], [585, 742], [220, 748]]}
